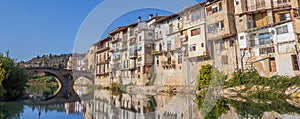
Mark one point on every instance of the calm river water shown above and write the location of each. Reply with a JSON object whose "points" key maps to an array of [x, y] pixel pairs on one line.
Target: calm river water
{"points": [[47, 102]]}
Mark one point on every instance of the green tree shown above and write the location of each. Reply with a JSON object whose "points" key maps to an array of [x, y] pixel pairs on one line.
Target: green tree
{"points": [[14, 79], [209, 76], [2, 73]]}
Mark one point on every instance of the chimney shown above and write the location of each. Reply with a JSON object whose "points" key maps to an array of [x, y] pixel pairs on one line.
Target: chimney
{"points": [[139, 19], [150, 16]]}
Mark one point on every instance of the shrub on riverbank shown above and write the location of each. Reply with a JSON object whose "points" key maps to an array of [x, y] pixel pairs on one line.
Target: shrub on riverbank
{"points": [[251, 77], [14, 80], [209, 76]]}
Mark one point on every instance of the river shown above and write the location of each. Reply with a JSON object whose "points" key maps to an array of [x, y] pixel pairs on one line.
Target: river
{"points": [[93, 103]]}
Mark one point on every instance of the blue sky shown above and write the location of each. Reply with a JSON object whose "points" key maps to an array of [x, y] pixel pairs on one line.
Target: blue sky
{"points": [[35, 27]]}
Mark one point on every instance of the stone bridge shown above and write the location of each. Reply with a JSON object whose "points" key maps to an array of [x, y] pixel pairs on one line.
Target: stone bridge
{"points": [[61, 96], [65, 77]]}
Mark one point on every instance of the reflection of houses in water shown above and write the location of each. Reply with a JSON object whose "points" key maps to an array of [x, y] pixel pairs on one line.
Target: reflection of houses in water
{"points": [[124, 106], [139, 106], [176, 107]]}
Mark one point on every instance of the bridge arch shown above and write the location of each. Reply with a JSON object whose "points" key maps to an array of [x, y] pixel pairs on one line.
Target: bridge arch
{"points": [[66, 77], [83, 80]]}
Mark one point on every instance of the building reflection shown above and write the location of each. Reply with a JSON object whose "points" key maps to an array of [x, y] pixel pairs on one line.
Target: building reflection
{"points": [[106, 105]]}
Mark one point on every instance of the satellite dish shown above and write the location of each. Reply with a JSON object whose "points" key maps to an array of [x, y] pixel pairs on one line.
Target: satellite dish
{"points": [[272, 31]]}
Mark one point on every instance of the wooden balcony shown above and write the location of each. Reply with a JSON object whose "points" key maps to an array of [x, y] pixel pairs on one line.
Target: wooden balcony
{"points": [[257, 6], [297, 13], [115, 40], [168, 64], [281, 3], [101, 49], [134, 56], [266, 50]]}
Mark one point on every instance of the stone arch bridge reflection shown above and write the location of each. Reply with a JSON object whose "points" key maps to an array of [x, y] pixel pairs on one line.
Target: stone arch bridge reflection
{"points": [[65, 92]]}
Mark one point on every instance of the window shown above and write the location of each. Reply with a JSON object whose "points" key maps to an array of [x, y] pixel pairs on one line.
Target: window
{"points": [[140, 38], [240, 19], [140, 59], [195, 32], [179, 58], [231, 43], [285, 16], [224, 59], [150, 34], [170, 28], [169, 44], [195, 16], [222, 45], [242, 37], [237, 2], [220, 6], [214, 9], [213, 28], [282, 29], [264, 39], [202, 44], [272, 63], [193, 47], [124, 64], [157, 61], [295, 62], [138, 69], [222, 25]]}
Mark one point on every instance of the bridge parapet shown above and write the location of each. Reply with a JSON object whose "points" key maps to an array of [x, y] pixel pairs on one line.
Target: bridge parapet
{"points": [[66, 77]]}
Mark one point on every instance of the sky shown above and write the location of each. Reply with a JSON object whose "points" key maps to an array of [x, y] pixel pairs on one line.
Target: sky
{"points": [[37, 27]]}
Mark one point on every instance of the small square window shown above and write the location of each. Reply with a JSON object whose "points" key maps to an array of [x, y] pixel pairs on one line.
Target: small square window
{"points": [[222, 25], [193, 48], [195, 32], [231, 43]]}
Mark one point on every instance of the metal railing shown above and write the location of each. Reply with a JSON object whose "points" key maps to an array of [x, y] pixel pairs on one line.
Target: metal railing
{"points": [[266, 50], [280, 3], [257, 6], [297, 12]]}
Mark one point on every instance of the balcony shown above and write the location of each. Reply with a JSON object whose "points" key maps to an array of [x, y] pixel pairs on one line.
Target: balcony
{"points": [[157, 52], [266, 50], [168, 64], [132, 42], [158, 37], [132, 67], [102, 62], [297, 13], [257, 6], [281, 3], [115, 40], [134, 56], [103, 48], [184, 39]]}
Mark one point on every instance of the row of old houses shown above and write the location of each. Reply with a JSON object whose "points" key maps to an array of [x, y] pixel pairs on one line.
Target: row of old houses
{"points": [[228, 34]]}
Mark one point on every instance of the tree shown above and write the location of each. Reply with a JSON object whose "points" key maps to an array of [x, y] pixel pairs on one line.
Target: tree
{"points": [[209, 76], [2, 73], [14, 79]]}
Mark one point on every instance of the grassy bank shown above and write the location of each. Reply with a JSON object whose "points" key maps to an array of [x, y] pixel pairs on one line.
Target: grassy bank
{"points": [[42, 80]]}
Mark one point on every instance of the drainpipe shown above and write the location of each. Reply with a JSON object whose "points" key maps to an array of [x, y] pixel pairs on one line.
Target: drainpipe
{"points": [[236, 55]]}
